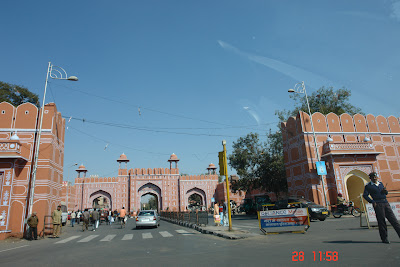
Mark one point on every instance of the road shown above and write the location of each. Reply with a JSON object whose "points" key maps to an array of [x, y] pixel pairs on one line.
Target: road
{"points": [[174, 245]]}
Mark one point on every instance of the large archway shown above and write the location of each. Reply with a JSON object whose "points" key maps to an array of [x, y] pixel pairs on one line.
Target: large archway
{"points": [[355, 182], [101, 194], [147, 191], [195, 199]]}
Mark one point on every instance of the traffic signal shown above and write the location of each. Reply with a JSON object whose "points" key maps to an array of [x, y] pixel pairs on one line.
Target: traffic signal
{"points": [[222, 162]]}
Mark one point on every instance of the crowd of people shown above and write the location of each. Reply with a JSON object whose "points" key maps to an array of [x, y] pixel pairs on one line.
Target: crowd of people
{"points": [[87, 217], [221, 214], [95, 216]]}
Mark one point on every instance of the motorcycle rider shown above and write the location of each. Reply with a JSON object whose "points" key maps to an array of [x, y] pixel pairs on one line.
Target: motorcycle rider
{"points": [[341, 202]]}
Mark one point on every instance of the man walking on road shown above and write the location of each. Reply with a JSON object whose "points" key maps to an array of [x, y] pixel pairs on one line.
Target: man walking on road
{"points": [[56, 216], [122, 215], [378, 192], [86, 218], [73, 217], [78, 217], [95, 218], [33, 222]]}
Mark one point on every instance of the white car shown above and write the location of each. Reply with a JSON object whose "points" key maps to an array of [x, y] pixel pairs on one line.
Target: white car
{"points": [[147, 218]]}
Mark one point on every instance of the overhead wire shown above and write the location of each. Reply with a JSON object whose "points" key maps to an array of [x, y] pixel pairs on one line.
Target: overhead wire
{"points": [[126, 126], [115, 144], [140, 108]]}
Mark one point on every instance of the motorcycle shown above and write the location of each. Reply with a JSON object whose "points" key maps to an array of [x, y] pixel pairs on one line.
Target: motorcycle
{"points": [[339, 210]]}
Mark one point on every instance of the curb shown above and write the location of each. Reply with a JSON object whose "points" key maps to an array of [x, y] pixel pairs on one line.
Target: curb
{"points": [[202, 230]]}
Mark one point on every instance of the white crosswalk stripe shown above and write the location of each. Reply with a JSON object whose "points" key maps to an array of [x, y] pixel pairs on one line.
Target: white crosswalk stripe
{"points": [[127, 237], [165, 234], [147, 235], [68, 239], [183, 232], [108, 238], [87, 239]]}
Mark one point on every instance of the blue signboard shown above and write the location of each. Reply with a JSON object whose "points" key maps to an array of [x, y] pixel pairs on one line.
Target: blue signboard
{"points": [[321, 168], [273, 223]]}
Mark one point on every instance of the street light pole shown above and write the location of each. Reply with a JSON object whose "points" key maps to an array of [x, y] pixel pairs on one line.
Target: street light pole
{"points": [[303, 91], [53, 72]]}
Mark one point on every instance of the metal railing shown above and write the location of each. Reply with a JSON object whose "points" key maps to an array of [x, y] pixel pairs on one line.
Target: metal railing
{"points": [[195, 217]]}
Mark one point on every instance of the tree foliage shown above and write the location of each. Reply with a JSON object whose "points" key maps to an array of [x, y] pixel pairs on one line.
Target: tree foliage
{"points": [[153, 204], [17, 95], [258, 165], [324, 100], [261, 165]]}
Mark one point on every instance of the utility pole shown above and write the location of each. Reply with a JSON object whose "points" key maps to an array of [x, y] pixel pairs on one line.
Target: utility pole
{"points": [[223, 170]]}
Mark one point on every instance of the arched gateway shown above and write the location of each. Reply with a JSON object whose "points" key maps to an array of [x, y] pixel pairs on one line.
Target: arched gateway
{"points": [[130, 188], [98, 194], [153, 190]]}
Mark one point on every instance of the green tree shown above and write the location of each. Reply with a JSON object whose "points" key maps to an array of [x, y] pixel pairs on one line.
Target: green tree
{"points": [[324, 100], [258, 165], [153, 204], [17, 95]]}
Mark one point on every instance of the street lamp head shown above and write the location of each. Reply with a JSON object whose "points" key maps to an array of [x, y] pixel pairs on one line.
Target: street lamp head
{"points": [[366, 139], [72, 78], [291, 91]]}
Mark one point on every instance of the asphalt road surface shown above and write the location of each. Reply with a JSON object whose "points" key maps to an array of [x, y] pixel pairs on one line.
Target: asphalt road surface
{"points": [[172, 245]]}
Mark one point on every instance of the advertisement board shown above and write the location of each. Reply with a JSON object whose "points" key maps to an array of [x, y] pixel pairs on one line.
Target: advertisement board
{"points": [[371, 212], [284, 220]]}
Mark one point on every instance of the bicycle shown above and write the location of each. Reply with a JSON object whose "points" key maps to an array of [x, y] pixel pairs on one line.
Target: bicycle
{"points": [[122, 221]]}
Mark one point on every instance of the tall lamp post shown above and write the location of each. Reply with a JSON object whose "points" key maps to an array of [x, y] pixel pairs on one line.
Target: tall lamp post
{"points": [[69, 168], [300, 88], [58, 73]]}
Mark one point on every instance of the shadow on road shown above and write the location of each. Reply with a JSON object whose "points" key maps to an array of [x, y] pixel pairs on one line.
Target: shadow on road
{"points": [[351, 242]]}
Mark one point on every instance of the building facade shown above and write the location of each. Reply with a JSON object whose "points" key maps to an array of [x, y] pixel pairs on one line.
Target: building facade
{"points": [[128, 189], [18, 133], [351, 146]]}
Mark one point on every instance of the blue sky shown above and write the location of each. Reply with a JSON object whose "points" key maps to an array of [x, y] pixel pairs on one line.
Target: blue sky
{"points": [[200, 71]]}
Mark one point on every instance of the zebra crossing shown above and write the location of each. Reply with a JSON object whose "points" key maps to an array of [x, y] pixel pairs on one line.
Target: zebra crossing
{"points": [[126, 237]]}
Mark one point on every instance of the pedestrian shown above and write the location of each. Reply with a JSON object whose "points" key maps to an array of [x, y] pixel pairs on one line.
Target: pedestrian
{"points": [[217, 219], [221, 212], [85, 220], [73, 218], [122, 214], [115, 215], [378, 192], [225, 210], [95, 218], [110, 217], [56, 216], [33, 223], [78, 217]]}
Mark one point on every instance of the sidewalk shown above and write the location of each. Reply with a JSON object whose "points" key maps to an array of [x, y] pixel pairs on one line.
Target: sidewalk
{"points": [[239, 230], [221, 231]]}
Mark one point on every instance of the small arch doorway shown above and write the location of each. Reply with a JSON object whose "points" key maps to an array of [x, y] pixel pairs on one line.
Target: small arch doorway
{"points": [[101, 203], [149, 201], [195, 202], [355, 183]]}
